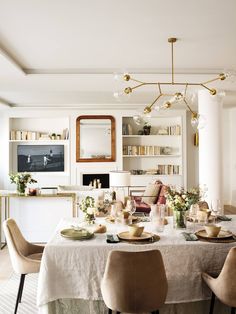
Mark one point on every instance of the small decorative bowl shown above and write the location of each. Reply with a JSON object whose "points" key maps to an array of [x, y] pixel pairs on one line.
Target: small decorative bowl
{"points": [[136, 230], [212, 230]]}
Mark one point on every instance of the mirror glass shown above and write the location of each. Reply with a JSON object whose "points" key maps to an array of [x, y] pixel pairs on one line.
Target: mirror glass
{"points": [[95, 138]]}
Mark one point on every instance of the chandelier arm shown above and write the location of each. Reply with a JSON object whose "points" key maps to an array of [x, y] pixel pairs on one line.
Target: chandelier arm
{"points": [[159, 96], [134, 80], [205, 87], [159, 87], [213, 80], [189, 108], [137, 86], [185, 91]]}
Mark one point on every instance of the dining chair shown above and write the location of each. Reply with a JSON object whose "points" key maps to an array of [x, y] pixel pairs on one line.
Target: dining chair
{"points": [[224, 286], [25, 257], [134, 282]]}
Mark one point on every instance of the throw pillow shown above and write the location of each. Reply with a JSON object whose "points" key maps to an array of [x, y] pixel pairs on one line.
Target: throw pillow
{"points": [[151, 193]]}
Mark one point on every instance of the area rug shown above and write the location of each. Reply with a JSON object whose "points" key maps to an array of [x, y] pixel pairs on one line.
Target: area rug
{"points": [[8, 293]]}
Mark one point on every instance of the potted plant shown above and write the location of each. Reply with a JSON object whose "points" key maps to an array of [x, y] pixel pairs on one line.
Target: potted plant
{"points": [[146, 128], [21, 180]]}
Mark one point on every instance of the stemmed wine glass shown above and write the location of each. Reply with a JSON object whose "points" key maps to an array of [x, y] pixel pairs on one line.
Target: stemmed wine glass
{"points": [[215, 208]]}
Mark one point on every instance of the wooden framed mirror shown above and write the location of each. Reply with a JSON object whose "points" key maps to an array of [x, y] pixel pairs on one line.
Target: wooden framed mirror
{"points": [[95, 138]]}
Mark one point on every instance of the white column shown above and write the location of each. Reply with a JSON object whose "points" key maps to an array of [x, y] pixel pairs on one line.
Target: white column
{"points": [[210, 145]]}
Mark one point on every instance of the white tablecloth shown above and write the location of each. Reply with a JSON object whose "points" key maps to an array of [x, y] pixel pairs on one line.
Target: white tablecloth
{"points": [[74, 269]]}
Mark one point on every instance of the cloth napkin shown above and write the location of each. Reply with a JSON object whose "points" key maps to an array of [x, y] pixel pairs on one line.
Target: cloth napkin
{"points": [[189, 236], [224, 218]]}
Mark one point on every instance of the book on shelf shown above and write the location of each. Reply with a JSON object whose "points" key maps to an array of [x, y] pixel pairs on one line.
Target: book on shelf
{"points": [[13, 135], [65, 134], [168, 169], [18, 135], [169, 130]]}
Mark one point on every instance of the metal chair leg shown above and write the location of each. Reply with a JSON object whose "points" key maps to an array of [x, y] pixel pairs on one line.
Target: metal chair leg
{"points": [[22, 287], [212, 303], [19, 294], [232, 310]]}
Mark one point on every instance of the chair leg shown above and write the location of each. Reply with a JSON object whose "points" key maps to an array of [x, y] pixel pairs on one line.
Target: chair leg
{"points": [[212, 303], [232, 310], [22, 287], [19, 294]]}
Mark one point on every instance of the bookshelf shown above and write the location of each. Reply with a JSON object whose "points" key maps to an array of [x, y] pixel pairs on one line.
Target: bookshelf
{"points": [[39, 132], [159, 155]]}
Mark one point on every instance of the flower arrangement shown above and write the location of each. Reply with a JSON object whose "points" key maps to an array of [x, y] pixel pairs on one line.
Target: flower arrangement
{"points": [[87, 205], [181, 199], [21, 180]]}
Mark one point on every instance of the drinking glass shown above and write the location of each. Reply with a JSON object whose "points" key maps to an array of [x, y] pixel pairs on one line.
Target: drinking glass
{"points": [[193, 214], [158, 218], [215, 208]]}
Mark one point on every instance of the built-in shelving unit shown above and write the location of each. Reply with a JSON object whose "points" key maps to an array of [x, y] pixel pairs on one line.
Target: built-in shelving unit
{"points": [[46, 132], [159, 155]]}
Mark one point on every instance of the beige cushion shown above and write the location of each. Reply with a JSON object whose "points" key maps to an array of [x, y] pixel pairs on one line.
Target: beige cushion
{"points": [[151, 193]]}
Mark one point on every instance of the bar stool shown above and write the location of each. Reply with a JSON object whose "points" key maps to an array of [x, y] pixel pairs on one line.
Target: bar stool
{"points": [[134, 282]]}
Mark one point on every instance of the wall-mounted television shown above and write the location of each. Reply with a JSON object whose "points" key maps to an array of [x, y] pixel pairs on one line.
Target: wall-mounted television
{"points": [[40, 158]]}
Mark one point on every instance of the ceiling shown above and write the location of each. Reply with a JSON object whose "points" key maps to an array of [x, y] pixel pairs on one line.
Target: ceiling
{"points": [[64, 53]]}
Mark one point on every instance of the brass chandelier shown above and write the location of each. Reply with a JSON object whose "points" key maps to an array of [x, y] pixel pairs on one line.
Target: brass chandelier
{"points": [[174, 97]]}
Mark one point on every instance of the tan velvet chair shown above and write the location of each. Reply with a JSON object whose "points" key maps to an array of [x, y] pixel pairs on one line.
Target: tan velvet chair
{"points": [[134, 282], [224, 286], [25, 257]]}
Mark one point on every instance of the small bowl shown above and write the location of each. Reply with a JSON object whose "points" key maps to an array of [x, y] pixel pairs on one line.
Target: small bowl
{"points": [[212, 230], [136, 230]]}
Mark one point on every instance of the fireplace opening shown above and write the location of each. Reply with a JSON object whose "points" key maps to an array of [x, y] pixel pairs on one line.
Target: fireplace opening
{"points": [[97, 180]]}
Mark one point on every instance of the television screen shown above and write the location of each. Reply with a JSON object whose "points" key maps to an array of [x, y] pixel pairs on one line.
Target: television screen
{"points": [[40, 158]]}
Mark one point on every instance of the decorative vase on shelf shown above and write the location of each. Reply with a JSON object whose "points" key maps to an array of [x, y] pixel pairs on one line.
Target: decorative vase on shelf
{"points": [[179, 219], [21, 188]]}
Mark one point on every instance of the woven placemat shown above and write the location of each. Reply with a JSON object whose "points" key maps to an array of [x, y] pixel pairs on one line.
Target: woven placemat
{"points": [[153, 239], [228, 240]]}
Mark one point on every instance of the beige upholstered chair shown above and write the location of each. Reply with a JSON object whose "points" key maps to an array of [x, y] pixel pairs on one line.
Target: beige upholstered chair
{"points": [[224, 286], [25, 257], [134, 282]]}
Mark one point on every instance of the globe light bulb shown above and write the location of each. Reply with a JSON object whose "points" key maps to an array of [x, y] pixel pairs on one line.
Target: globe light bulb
{"points": [[198, 121], [157, 107], [138, 119], [166, 105], [121, 76], [121, 96], [230, 75], [201, 121], [178, 97]]}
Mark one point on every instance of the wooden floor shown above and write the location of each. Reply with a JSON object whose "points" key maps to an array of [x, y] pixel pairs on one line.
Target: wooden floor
{"points": [[5, 263]]}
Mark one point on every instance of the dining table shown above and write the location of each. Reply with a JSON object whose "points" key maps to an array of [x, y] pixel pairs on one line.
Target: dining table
{"points": [[71, 270]]}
